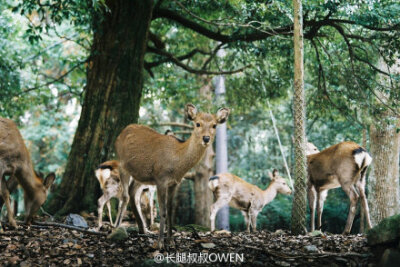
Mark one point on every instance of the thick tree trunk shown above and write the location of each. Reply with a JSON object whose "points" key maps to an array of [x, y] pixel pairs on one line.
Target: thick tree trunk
{"points": [[383, 183], [111, 101], [299, 200]]}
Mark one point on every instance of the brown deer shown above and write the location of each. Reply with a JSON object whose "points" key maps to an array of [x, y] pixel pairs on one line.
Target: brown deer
{"points": [[163, 160], [15, 162], [239, 194], [107, 173], [341, 165]]}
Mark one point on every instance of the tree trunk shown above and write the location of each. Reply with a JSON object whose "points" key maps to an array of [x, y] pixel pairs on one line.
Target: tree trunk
{"points": [[202, 194], [383, 183], [111, 101], [204, 169], [299, 200]]}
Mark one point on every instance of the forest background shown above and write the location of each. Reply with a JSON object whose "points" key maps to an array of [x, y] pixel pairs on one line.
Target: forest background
{"points": [[48, 49]]}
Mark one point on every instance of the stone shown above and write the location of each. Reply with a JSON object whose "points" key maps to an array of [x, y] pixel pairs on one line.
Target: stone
{"points": [[208, 245], [76, 220], [118, 235], [316, 233], [386, 232], [310, 248]]}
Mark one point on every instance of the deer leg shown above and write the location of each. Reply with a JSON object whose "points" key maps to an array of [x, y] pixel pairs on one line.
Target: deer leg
{"points": [[221, 201], [124, 197], [312, 198], [151, 197], [6, 198], [246, 220], [100, 201], [162, 201], [135, 193], [170, 206], [12, 184], [364, 205], [253, 216], [108, 204], [353, 196], [321, 196]]}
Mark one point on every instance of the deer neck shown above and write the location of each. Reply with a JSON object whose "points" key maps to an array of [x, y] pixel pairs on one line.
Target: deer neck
{"points": [[191, 152], [29, 182], [269, 194]]}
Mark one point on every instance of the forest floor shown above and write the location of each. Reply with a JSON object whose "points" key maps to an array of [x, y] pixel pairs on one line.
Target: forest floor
{"points": [[54, 246]]}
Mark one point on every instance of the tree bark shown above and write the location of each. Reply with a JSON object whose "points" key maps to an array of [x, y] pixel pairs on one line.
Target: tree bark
{"points": [[299, 200], [111, 100], [202, 194], [383, 183]]}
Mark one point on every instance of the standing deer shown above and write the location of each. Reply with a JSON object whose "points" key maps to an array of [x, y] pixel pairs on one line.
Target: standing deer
{"points": [[239, 194], [15, 162], [341, 165], [163, 160], [109, 178]]}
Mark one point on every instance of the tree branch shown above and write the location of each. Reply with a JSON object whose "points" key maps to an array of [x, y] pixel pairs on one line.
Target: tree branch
{"points": [[217, 36], [183, 57], [52, 81], [259, 34], [171, 58]]}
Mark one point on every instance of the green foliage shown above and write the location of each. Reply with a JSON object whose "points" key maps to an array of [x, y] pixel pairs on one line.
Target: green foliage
{"points": [[44, 47]]}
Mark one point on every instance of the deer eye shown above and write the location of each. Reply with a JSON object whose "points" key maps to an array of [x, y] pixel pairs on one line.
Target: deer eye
{"points": [[214, 126], [197, 124]]}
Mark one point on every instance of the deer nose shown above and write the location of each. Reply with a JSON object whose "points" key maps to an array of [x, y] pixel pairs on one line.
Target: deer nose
{"points": [[206, 139]]}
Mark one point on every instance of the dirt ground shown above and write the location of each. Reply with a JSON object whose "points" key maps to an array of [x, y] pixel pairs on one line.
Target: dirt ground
{"points": [[55, 246]]}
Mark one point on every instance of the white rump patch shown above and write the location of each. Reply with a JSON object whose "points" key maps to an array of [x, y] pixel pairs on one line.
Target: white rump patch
{"points": [[359, 158], [213, 184], [103, 174], [106, 173]]}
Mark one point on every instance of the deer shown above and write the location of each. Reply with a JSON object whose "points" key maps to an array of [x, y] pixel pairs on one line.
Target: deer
{"points": [[239, 194], [342, 165], [108, 175], [15, 162], [163, 160]]}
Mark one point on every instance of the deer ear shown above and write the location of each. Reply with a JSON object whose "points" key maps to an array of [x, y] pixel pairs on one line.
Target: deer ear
{"points": [[275, 173], [49, 180], [271, 176], [222, 115], [190, 111]]}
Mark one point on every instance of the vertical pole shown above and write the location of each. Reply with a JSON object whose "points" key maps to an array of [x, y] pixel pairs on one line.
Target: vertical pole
{"points": [[221, 145], [300, 199]]}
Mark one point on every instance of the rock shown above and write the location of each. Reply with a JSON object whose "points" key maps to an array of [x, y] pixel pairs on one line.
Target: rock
{"points": [[310, 248], [208, 245], [76, 220], [279, 232], [118, 235], [391, 257], [316, 233], [387, 231]]}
